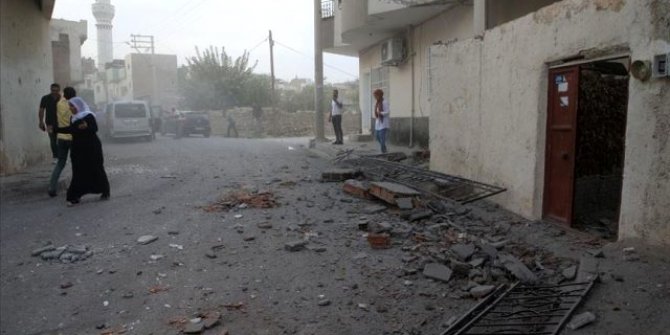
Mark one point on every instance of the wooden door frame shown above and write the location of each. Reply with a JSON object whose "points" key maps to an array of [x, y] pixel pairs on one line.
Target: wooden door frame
{"points": [[547, 166]]}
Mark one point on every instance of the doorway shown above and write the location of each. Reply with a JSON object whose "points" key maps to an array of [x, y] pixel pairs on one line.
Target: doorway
{"points": [[586, 131]]}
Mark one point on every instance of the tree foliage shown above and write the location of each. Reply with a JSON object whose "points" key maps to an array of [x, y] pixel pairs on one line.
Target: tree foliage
{"points": [[214, 80]]}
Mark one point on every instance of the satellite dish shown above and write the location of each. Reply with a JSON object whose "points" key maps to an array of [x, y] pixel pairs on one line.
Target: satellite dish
{"points": [[641, 70]]}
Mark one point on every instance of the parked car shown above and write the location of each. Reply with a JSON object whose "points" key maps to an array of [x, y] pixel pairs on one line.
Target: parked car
{"points": [[187, 123], [126, 119]]}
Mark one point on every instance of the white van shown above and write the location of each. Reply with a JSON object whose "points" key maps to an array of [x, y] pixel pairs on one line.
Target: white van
{"points": [[129, 119]]}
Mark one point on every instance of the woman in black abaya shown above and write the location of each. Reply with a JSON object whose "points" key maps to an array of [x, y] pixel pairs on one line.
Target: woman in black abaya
{"points": [[88, 171]]}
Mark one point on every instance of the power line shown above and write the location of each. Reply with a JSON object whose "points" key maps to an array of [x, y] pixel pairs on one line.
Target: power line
{"points": [[312, 58], [179, 23], [257, 45]]}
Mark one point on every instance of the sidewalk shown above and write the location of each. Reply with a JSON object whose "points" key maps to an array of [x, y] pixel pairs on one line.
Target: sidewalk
{"points": [[34, 180], [330, 151]]}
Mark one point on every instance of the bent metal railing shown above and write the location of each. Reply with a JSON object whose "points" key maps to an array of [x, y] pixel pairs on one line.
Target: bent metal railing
{"points": [[522, 310]]}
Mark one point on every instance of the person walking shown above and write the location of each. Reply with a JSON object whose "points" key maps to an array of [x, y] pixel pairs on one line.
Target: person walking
{"points": [[231, 125], [336, 118], [382, 118], [88, 171], [257, 112], [63, 141], [48, 118]]}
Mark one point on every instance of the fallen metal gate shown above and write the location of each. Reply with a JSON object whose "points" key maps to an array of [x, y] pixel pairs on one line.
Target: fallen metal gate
{"points": [[522, 310], [430, 182]]}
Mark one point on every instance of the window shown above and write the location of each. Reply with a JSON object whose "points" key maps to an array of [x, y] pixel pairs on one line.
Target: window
{"points": [[379, 78], [130, 111]]}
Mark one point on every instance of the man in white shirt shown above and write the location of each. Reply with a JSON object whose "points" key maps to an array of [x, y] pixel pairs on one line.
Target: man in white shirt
{"points": [[382, 118], [336, 118]]}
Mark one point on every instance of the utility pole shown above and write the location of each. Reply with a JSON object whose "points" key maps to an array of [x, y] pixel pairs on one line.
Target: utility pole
{"points": [[147, 43], [318, 72], [272, 68]]}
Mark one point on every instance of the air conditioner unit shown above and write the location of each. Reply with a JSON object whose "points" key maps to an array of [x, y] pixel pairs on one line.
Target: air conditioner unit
{"points": [[393, 51]]}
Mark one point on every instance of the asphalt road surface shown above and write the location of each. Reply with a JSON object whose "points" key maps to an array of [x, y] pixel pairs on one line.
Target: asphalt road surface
{"points": [[235, 262], [158, 189]]}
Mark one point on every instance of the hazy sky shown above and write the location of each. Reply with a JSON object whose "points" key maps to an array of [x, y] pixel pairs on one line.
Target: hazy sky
{"points": [[180, 25]]}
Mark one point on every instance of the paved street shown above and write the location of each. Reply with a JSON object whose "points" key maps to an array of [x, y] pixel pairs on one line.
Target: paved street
{"points": [[235, 262]]}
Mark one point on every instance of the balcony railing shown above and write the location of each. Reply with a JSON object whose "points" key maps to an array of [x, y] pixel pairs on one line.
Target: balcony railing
{"points": [[327, 9]]}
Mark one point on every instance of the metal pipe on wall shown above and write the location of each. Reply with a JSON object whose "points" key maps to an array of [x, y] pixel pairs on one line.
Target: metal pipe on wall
{"points": [[410, 38]]}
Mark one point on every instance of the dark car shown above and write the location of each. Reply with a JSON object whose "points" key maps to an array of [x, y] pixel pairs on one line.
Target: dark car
{"points": [[187, 123]]}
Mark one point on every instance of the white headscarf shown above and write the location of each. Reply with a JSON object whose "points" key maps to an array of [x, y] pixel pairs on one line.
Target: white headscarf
{"points": [[82, 109]]}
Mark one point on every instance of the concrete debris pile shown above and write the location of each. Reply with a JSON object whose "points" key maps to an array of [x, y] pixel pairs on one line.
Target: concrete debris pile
{"points": [[447, 242], [63, 254], [243, 199]]}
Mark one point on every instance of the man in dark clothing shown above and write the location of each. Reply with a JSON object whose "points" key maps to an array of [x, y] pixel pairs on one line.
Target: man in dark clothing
{"points": [[48, 120], [257, 112]]}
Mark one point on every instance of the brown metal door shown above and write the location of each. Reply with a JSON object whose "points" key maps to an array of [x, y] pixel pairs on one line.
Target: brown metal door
{"points": [[561, 138]]}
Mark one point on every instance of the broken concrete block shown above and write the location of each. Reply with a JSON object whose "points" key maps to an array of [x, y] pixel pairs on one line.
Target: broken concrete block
{"points": [[401, 231], [489, 250], [569, 273], [295, 245], [389, 192], [381, 227], [588, 269], [146, 239], [212, 320], [336, 175], [463, 251], [39, 251], [517, 268], [420, 215], [437, 271], [356, 188], [481, 291], [405, 203], [194, 327], [78, 250], [581, 320], [477, 262], [629, 254]]}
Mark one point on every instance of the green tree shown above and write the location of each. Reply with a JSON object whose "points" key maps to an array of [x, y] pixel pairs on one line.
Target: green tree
{"points": [[214, 80]]}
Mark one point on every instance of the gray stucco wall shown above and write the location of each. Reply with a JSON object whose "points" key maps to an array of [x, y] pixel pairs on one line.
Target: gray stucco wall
{"points": [[489, 105], [25, 75]]}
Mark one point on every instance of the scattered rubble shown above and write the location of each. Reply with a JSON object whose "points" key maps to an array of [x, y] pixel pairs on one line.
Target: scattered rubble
{"points": [[63, 254], [517, 268], [581, 320], [146, 239], [295, 245], [437, 271], [379, 241], [630, 255], [337, 175], [390, 192], [243, 199], [357, 188]]}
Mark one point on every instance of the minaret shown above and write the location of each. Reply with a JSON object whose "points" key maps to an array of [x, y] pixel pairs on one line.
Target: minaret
{"points": [[104, 13]]}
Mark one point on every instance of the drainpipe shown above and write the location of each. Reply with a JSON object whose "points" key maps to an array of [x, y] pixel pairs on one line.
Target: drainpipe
{"points": [[410, 33]]}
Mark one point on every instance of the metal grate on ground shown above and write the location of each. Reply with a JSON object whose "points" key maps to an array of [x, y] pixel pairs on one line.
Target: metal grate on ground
{"points": [[430, 182], [522, 310]]}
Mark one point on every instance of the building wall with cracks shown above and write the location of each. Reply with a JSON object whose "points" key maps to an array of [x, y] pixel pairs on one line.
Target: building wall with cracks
{"points": [[489, 105], [26, 71]]}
